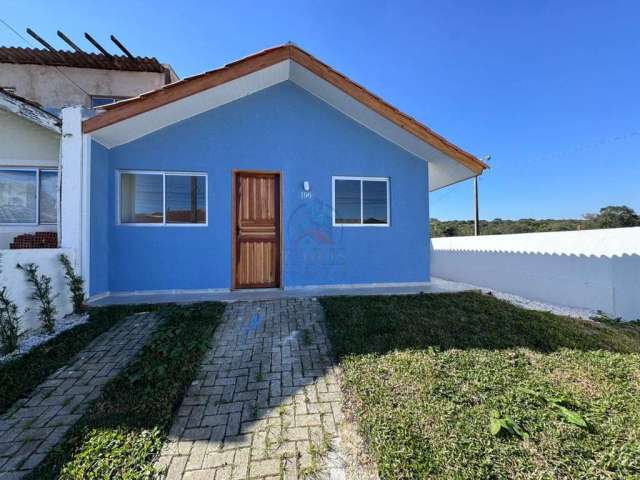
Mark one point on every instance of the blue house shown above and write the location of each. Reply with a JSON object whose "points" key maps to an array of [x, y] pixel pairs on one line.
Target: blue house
{"points": [[274, 171]]}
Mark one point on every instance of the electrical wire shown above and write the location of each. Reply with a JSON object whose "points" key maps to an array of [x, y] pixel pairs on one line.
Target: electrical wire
{"points": [[441, 197], [6, 24]]}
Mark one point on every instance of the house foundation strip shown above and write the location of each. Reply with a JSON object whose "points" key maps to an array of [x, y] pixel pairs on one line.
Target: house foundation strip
{"points": [[33, 426]]}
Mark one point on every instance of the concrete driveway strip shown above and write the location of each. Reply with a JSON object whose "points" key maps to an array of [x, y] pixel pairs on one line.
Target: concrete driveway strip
{"points": [[266, 403], [34, 425]]}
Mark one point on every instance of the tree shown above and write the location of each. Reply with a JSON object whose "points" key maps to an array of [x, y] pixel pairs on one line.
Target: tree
{"points": [[608, 217], [449, 231], [613, 217]]}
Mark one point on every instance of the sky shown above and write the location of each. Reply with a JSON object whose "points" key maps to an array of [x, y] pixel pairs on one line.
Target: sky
{"points": [[549, 89]]}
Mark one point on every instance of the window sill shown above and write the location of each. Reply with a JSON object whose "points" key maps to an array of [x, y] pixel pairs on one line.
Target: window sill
{"points": [[171, 225], [28, 224], [361, 225]]}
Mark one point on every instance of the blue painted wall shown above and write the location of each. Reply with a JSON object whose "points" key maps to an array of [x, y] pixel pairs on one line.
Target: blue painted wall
{"points": [[282, 128], [100, 233]]}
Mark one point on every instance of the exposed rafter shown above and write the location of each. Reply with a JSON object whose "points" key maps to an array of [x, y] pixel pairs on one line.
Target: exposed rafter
{"points": [[43, 42], [95, 43], [121, 47], [77, 48]]}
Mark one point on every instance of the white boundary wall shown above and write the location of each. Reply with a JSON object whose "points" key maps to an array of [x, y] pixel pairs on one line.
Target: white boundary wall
{"points": [[20, 291], [595, 269]]}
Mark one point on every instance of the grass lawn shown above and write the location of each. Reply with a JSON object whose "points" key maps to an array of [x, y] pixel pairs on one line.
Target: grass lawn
{"points": [[121, 435], [19, 377], [468, 386]]}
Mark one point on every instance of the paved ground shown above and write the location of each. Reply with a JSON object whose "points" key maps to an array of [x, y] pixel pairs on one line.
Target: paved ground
{"points": [[259, 294], [266, 403], [35, 425]]}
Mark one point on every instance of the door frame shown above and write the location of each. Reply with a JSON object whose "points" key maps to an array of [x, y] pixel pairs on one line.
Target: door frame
{"points": [[234, 225]]}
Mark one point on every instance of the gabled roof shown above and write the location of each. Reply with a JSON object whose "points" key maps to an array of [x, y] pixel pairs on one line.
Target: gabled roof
{"points": [[298, 65], [65, 58], [31, 111]]}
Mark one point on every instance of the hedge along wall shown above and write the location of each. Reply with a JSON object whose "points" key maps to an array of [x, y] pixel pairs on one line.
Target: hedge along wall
{"points": [[596, 269], [20, 291]]}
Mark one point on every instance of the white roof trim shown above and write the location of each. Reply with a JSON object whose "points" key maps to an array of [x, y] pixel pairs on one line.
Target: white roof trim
{"points": [[143, 124], [443, 170], [29, 112]]}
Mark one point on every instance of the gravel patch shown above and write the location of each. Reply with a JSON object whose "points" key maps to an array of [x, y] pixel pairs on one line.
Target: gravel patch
{"points": [[576, 312], [33, 338]]}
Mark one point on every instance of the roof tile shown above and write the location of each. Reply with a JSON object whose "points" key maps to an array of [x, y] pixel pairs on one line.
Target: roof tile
{"points": [[65, 58]]}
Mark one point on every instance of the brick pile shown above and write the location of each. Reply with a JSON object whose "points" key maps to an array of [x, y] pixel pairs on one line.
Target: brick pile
{"points": [[35, 240]]}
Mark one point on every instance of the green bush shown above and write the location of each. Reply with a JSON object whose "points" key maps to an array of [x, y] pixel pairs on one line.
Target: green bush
{"points": [[75, 283], [42, 293], [9, 323]]}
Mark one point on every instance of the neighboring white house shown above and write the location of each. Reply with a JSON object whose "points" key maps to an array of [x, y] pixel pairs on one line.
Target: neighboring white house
{"points": [[35, 84], [29, 156]]}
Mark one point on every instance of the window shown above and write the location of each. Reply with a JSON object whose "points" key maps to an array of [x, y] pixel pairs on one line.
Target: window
{"points": [[28, 196], [98, 101], [360, 201], [163, 198], [141, 198], [185, 198], [48, 198]]}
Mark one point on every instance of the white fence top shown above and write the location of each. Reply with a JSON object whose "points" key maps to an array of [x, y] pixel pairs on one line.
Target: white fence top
{"points": [[602, 243]]}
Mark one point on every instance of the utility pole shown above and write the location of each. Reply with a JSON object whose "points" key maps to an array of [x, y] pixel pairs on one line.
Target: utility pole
{"points": [[476, 217], [476, 221]]}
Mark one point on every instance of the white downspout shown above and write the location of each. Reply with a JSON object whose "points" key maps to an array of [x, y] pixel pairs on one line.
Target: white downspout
{"points": [[71, 184]]}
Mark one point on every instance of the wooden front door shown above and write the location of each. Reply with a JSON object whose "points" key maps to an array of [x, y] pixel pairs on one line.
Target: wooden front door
{"points": [[256, 241]]}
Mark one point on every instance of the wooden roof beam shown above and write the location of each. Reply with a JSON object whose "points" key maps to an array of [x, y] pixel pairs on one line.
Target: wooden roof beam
{"points": [[41, 40], [121, 47], [95, 43], [45, 43], [68, 41], [77, 48]]}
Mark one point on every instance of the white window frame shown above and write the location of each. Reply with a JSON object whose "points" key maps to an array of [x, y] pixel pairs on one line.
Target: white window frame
{"points": [[37, 170], [164, 174], [361, 224]]}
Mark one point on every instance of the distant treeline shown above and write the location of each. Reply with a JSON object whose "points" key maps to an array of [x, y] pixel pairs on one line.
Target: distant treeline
{"points": [[608, 217]]}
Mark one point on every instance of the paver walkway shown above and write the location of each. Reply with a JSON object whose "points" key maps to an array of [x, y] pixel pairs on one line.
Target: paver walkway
{"points": [[266, 403], [36, 424]]}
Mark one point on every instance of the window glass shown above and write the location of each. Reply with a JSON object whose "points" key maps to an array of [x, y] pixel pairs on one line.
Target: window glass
{"points": [[99, 101], [185, 199], [347, 201], [18, 196], [48, 196], [374, 202], [141, 198], [361, 201]]}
